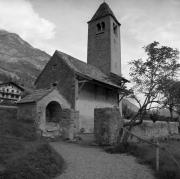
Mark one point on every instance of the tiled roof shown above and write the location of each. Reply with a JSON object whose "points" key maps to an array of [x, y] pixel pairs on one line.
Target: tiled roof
{"points": [[103, 10], [36, 95], [86, 70]]}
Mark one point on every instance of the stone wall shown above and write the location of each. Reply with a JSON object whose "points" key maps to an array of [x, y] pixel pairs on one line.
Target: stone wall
{"points": [[148, 129], [107, 123], [26, 112], [57, 70], [10, 113], [69, 123]]}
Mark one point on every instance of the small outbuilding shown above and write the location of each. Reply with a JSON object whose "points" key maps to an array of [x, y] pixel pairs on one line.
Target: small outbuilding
{"points": [[50, 111]]}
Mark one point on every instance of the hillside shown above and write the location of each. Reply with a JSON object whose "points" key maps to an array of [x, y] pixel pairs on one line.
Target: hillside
{"points": [[127, 103], [19, 61]]}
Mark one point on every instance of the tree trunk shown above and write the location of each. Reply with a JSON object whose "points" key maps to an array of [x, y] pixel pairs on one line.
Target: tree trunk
{"points": [[171, 118], [125, 135]]}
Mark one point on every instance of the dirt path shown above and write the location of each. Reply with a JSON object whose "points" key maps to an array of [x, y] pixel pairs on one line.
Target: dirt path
{"points": [[94, 163]]}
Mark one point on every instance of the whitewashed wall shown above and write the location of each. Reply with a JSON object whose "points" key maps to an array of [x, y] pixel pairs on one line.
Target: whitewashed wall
{"points": [[92, 97]]}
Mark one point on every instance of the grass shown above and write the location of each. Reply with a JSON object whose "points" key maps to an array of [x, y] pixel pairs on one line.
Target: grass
{"points": [[22, 153], [145, 154]]}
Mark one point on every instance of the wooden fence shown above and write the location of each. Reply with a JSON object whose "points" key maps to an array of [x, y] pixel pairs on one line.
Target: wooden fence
{"points": [[158, 148]]}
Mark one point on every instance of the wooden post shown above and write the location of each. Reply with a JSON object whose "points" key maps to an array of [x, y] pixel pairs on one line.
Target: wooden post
{"points": [[76, 93], [157, 156]]}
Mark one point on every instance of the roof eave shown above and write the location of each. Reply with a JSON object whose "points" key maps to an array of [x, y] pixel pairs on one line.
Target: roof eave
{"points": [[26, 102], [92, 79], [92, 20]]}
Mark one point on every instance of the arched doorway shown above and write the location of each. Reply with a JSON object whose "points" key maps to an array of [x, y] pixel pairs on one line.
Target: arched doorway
{"points": [[53, 112]]}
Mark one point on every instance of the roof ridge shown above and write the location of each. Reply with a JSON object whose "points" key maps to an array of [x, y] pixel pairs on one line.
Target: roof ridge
{"points": [[70, 56], [84, 63], [87, 70]]}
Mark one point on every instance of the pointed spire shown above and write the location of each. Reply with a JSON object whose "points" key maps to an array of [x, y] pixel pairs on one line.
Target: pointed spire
{"points": [[103, 10]]}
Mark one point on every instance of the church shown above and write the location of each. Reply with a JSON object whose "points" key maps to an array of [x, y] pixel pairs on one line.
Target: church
{"points": [[95, 84]]}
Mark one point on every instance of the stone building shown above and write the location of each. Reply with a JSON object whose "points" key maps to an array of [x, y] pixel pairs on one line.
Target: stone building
{"points": [[97, 83], [50, 111]]}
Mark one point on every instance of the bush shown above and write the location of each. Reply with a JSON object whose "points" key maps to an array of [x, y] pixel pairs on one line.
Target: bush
{"points": [[9, 148], [122, 148], [43, 163]]}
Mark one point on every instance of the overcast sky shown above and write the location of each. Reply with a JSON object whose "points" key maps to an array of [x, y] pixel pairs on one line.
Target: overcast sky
{"points": [[62, 24]]}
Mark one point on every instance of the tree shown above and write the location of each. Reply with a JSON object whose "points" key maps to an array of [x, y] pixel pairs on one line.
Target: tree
{"points": [[171, 91], [147, 75]]}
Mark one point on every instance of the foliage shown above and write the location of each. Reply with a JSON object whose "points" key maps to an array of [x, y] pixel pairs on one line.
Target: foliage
{"points": [[148, 75], [9, 147], [21, 154], [156, 117], [171, 91], [42, 163]]}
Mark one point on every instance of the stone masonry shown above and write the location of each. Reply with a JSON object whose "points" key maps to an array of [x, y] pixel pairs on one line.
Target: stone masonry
{"points": [[69, 123], [107, 123]]}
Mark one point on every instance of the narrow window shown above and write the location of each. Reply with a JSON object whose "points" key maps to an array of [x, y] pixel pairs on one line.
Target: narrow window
{"points": [[54, 66], [98, 27], [103, 26], [115, 28]]}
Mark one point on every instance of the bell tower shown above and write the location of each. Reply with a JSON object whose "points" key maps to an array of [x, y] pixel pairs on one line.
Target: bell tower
{"points": [[104, 48]]}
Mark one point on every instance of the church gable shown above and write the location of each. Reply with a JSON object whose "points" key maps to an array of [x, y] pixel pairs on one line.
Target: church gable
{"points": [[57, 72]]}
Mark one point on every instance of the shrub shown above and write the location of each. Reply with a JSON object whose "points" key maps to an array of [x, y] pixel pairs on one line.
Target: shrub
{"points": [[8, 148], [43, 163]]}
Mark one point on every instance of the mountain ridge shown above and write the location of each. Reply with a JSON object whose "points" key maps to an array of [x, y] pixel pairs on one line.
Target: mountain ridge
{"points": [[20, 61]]}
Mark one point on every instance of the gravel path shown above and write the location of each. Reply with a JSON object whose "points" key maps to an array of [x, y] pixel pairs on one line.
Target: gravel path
{"points": [[94, 163]]}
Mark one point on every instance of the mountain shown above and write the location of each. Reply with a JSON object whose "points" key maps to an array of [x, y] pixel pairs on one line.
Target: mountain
{"points": [[19, 61], [127, 103]]}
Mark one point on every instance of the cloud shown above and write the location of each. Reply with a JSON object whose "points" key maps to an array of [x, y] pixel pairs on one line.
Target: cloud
{"points": [[18, 16], [145, 23]]}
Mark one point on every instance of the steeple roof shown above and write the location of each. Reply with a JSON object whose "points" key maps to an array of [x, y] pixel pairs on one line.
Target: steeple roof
{"points": [[103, 10]]}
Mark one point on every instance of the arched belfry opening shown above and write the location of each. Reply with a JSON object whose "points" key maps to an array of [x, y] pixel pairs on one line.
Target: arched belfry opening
{"points": [[53, 112]]}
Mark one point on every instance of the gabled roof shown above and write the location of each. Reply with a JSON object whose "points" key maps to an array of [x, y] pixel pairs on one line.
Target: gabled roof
{"points": [[103, 10], [35, 96], [86, 70], [14, 84]]}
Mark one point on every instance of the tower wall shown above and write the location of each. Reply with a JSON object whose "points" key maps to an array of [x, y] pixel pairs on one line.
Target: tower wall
{"points": [[115, 48], [104, 49], [99, 45]]}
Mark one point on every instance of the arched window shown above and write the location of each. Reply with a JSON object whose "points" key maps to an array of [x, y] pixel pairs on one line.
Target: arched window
{"points": [[100, 27]]}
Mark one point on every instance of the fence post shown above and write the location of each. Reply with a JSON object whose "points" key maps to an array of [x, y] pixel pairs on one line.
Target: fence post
{"points": [[157, 156]]}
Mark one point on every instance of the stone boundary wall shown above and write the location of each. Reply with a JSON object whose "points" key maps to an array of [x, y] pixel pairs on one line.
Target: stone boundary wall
{"points": [[10, 113], [26, 112], [149, 130], [107, 124]]}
